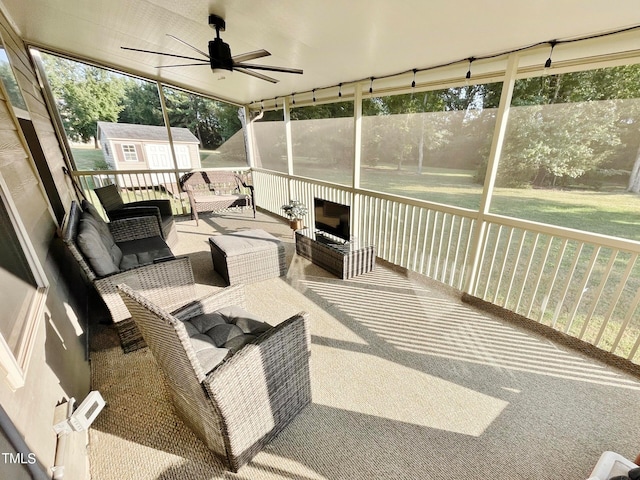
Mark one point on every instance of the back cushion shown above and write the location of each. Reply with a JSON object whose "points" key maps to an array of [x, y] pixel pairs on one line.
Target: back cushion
{"points": [[90, 211], [100, 250]]}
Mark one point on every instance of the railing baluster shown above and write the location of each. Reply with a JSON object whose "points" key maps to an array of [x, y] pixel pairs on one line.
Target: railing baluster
{"points": [[554, 277], [615, 298], [534, 293], [567, 284], [436, 241], [492, 260], [525, 277], [424, 241], [581, 289], [514, 269], [598, 293], [502, 268], [627, 320], [418, 231]]}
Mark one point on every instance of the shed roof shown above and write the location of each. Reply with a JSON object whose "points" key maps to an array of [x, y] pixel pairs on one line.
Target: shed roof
{"points": [[129, 131]]}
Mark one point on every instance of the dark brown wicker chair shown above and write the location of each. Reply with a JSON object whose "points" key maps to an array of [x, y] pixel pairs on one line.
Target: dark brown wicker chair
{"points": [[237, 400], [115, 207], [157, 265]]}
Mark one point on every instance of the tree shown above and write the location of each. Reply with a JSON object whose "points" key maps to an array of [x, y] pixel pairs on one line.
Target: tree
{"points": [[84, 96], [572, 126], [428, 126], [141, 104]]}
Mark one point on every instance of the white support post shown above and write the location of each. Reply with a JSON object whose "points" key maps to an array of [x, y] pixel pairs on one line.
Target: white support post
{"points": [[497, 142], [165, 116], [248, 125], [289, 141], [357, 142]]}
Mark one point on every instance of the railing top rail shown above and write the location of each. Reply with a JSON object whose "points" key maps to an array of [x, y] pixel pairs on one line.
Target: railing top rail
{"points": [[463, 212], [564, 232], [84, 173]]}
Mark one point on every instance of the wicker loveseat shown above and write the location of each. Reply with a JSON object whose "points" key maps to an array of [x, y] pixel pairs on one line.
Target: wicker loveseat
{"points": [[234, 380], [126, 249], [216, 191]]}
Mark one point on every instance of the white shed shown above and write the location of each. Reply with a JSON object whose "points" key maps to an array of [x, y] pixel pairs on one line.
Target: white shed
{"points": [[127, 146]]}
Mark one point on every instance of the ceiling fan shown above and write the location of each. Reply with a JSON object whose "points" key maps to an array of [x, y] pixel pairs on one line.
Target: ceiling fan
{"points": [[219, 56]]}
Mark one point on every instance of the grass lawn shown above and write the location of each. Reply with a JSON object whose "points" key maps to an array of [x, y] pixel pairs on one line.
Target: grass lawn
{"points": [[614, 213], [88, 158]]}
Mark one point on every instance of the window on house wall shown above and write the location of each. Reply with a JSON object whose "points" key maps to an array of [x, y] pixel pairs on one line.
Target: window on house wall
{"points": [[23, 293], [214, 127], [129, 153], [323, 142], [571, 154], [428, 145]]}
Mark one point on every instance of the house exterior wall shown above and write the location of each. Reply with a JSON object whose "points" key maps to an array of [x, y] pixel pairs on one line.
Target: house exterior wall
{"points": [[58, 368]]}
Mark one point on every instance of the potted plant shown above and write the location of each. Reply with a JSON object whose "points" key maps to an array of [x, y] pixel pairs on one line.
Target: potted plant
{"points": [[294, 211]]}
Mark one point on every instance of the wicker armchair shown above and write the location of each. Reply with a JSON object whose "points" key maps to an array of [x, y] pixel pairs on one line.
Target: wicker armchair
{"points": [[113, 204], [246, 399]]}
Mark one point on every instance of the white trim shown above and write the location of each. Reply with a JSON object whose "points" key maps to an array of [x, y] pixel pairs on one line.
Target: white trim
{"points": [[15, 365]]}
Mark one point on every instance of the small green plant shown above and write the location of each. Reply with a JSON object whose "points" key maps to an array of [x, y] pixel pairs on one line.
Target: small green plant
{"points": [[295, 210]]}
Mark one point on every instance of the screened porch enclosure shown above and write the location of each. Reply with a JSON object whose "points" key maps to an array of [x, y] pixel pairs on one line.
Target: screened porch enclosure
{"points": [[518, 187]]}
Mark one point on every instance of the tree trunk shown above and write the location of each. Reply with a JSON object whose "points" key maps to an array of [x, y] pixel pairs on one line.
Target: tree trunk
{"points": [[634, 178]]}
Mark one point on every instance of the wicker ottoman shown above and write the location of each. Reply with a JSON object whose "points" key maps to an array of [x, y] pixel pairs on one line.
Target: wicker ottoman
{"points": [[247, 256]]}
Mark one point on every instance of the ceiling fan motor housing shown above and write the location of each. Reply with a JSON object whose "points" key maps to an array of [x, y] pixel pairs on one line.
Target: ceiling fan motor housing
{"points": [[220, 55]]}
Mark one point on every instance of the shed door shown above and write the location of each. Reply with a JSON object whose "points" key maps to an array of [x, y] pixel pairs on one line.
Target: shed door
{"points": [[183, 157], [158, 156]]}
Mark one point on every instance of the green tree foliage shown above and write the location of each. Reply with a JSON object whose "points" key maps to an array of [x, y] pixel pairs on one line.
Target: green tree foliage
{"points": [[141, 104], [324, 133], [572, 128], [427, 127], [212, 122], [85, 95], [9, 81]]}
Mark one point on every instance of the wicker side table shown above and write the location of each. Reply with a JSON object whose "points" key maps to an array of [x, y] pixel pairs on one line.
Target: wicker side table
{"points": [[345, 260]]}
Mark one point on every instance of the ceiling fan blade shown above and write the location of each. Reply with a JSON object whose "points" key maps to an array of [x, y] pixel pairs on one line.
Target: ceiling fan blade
{"points": [[257, 75], [268, 67], [184, 65], [243, 57], [188, 45], [161, 53]]}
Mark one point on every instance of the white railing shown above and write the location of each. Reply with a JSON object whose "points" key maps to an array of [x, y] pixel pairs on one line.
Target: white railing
{"points": [[586, 285], [583, 284], [142, 184]]}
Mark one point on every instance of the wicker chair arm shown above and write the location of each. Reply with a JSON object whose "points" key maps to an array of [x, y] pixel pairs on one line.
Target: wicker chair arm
{"points": [[169, 284], [234, 295], [261, 388], [134, 228]]}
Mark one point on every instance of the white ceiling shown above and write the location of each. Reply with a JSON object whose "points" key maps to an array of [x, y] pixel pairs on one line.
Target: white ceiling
{"points": [[333, 41]]}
